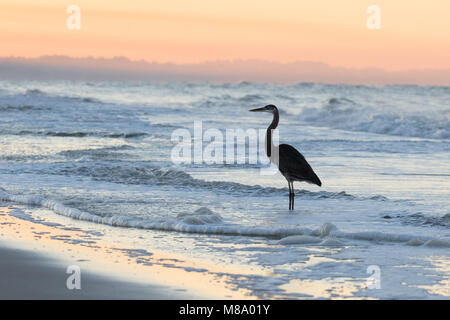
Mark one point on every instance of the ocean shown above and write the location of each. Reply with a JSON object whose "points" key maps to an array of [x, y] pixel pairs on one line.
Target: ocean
{"points": [[101, 153]]}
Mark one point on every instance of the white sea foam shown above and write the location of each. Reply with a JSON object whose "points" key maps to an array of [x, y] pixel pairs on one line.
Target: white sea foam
{"points": [[204, 221], [203, 217], [200, 216], [331, 242], [437, 243], [301, 239], [414, 242]]}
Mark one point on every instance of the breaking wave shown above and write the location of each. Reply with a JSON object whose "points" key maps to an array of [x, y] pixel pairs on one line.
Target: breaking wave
{"points": [[345, 114], [38, 92], [145, 174], [107, 153], [204, 221], [37, 100], [427, 220]]}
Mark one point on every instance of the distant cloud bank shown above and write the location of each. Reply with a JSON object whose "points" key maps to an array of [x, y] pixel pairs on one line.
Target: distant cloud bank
{"points": [[123, 69]]}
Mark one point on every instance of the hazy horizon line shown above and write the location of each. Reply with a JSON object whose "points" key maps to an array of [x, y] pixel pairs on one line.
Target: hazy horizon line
{"points": [[63, 67], [121, 57]]}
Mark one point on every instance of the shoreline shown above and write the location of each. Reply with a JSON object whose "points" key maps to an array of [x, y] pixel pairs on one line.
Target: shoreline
{"points": [[35, 258], [29, 275]]}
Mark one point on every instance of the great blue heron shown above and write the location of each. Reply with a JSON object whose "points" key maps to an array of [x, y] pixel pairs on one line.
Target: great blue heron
{"points": [[291, 163]]}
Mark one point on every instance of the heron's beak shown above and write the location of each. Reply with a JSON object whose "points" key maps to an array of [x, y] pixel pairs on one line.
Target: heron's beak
{"points": [[263, 109]]}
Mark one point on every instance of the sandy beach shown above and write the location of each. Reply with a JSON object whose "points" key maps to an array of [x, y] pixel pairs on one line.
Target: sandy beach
{"points": [[35, 258], [35, 275], [30, 271]]}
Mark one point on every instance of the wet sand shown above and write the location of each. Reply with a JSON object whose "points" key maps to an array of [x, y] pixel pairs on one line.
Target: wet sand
{"points": [[34, 258], [30, 275]]}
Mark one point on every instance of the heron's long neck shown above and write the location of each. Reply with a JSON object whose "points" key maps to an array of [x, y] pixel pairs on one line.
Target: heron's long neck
{"points": [[273, 126]]}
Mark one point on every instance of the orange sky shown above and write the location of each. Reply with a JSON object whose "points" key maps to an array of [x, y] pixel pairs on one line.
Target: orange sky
{"points": [[414, 33]]}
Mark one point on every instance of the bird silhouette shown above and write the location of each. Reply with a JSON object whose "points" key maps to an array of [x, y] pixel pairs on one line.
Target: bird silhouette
{"points": [[291, 163]]}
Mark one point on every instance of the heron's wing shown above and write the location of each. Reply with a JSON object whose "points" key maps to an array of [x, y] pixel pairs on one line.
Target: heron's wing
{"points": [[294, 164]]}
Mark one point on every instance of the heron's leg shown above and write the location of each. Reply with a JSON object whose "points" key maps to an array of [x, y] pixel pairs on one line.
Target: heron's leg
{"points": [[290, 195], [293, 195]]}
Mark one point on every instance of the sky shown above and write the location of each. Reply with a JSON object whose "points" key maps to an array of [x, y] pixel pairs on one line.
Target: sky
{"points": [[414, 34]]}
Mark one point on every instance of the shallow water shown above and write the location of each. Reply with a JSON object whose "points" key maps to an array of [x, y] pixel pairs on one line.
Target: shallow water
{"points": [[101, 152]]}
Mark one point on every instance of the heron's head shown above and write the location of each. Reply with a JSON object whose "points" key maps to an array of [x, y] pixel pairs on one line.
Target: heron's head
{"points": [[269, 108]]}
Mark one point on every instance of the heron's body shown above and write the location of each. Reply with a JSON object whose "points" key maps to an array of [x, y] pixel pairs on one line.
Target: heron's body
{"points": [[291, 163], [294, 167]]}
